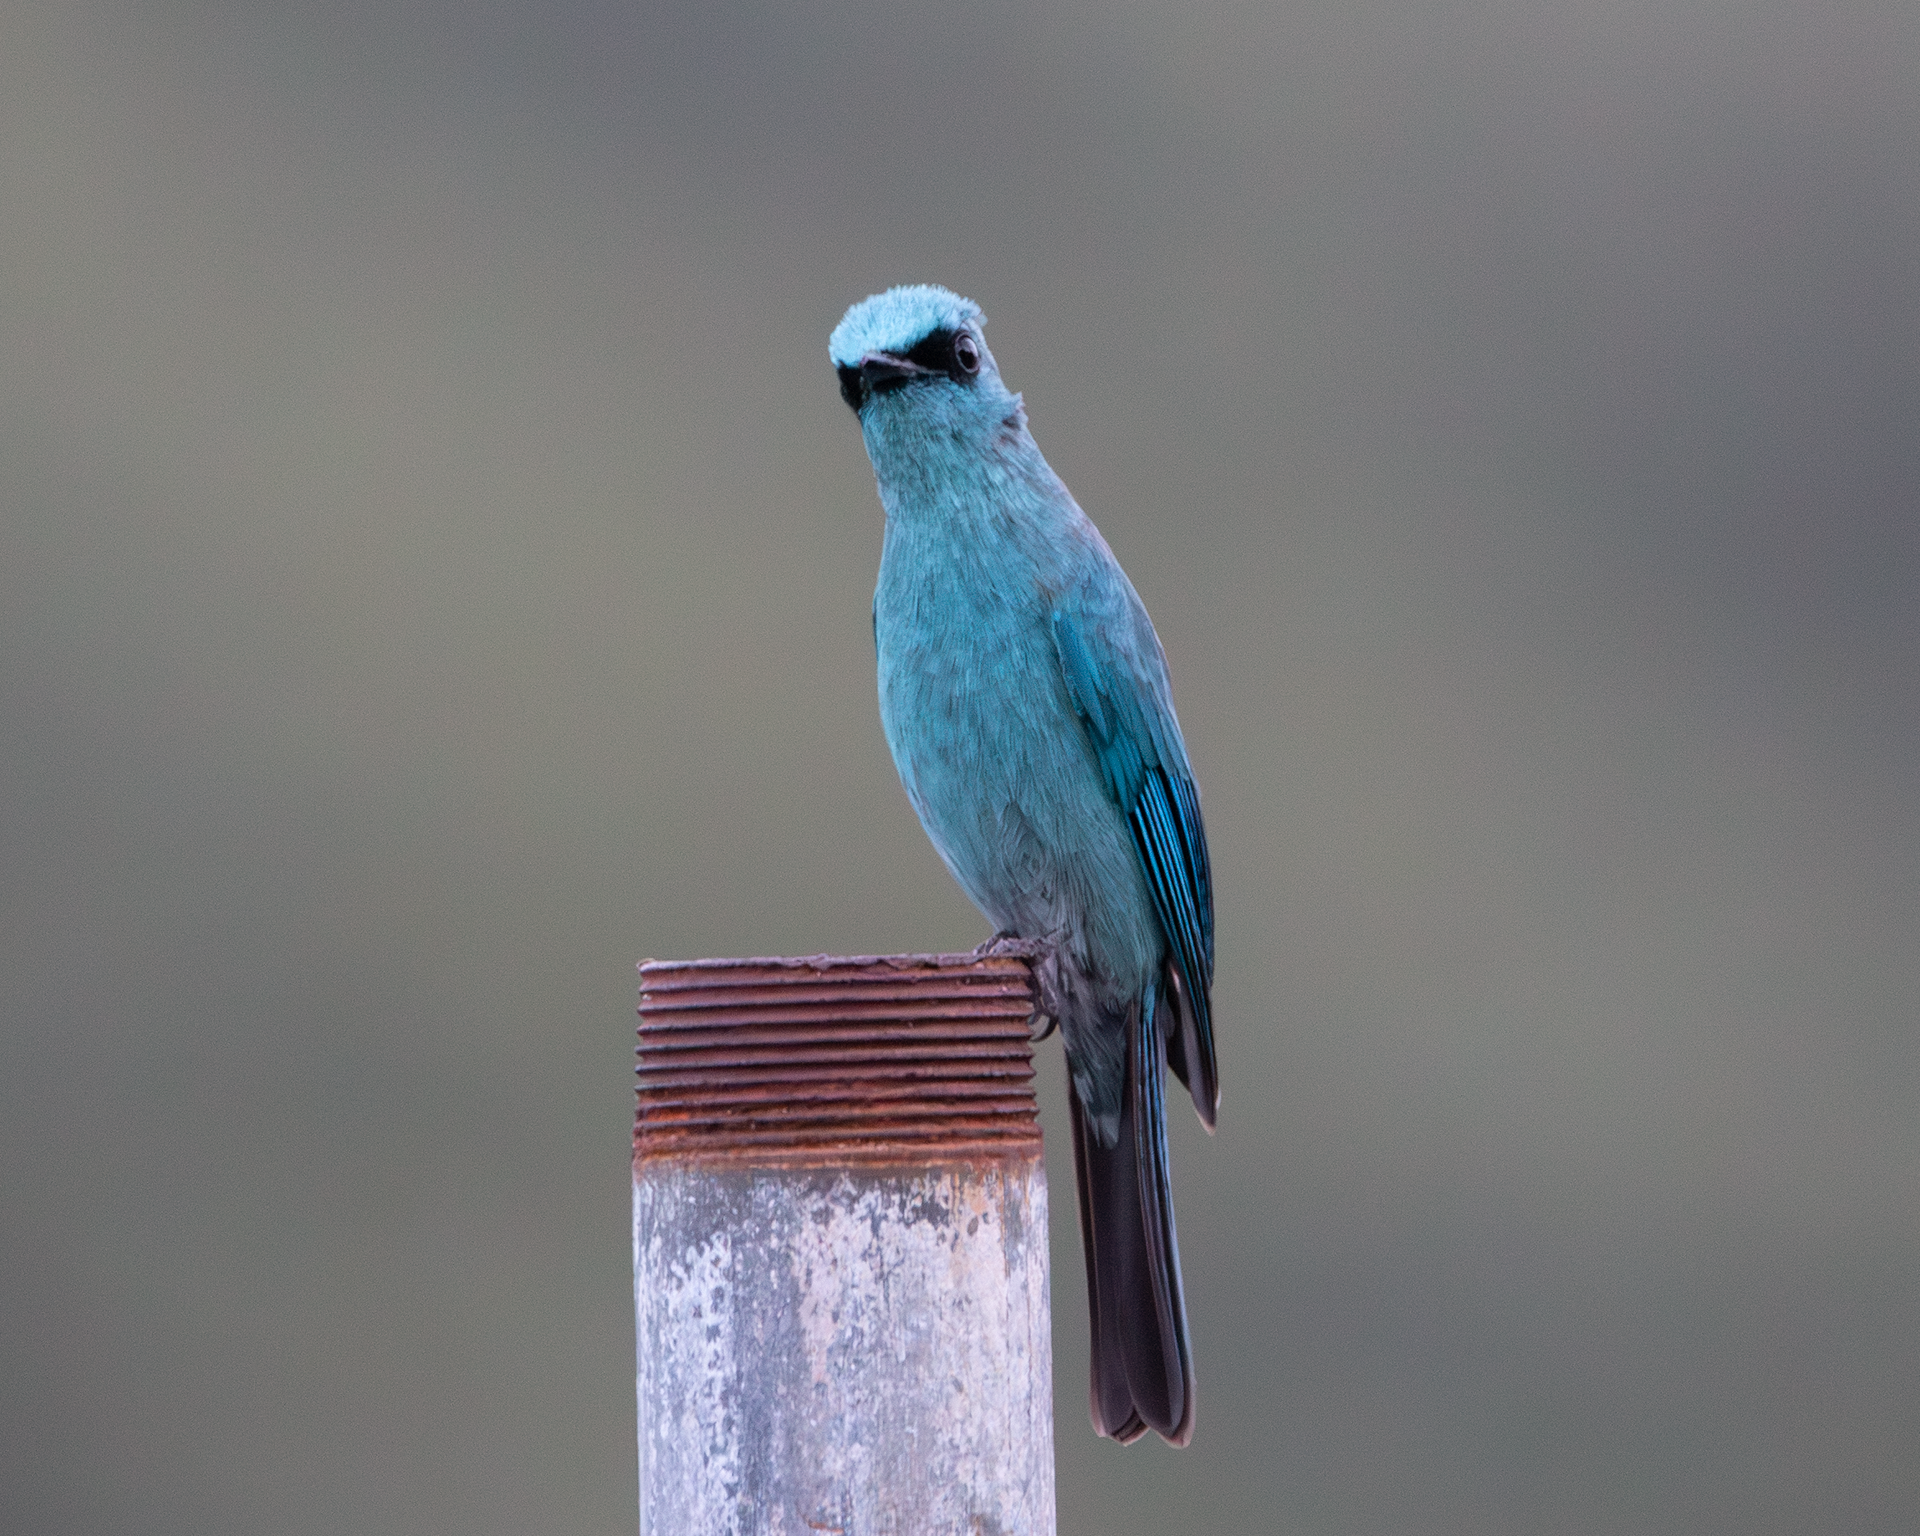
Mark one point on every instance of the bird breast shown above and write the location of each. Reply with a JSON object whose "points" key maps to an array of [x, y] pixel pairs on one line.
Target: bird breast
{"points": [[994, 759]]}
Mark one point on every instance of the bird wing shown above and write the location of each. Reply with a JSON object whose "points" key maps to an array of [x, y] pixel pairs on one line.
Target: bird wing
{"points": [[1116, 676]]}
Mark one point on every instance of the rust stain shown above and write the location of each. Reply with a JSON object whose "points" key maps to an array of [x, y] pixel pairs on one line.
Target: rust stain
{"points": [[824, 1059]]}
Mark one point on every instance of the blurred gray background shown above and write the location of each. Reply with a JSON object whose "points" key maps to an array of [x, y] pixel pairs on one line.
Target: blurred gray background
{"points": [[434, 574]]}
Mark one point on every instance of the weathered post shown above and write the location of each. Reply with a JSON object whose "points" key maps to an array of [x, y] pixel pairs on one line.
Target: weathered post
{"points": [[840, 1249]]}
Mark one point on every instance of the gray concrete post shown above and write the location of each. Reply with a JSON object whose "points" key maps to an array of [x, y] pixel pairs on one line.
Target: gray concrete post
{"points": [[840, 1250]]}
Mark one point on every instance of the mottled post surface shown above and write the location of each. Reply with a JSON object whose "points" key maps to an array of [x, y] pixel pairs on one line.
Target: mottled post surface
{"points": [[840, 1249]]}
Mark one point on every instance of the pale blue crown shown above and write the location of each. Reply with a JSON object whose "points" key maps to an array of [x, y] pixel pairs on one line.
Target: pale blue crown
{"points": [[895, 320]]}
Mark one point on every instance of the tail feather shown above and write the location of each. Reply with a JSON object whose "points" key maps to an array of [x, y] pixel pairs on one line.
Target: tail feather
{"points": [[1142, 1366], [1111, 1404]]}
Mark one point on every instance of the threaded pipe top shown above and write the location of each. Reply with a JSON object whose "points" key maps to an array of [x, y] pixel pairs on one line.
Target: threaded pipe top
{"points": [[890, 1058]]}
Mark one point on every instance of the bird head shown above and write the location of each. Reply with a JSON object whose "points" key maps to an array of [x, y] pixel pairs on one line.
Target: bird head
{"points": [[918, 350]]}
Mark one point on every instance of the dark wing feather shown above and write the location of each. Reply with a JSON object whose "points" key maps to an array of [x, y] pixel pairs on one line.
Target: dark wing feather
{"points": [[1172, 843], [1144, 763]]}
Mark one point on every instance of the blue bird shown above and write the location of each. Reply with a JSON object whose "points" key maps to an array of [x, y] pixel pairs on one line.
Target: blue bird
{"points": [[1025, 699]]}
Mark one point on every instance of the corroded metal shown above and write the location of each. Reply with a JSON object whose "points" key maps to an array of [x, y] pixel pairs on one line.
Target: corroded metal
{"points": [[832, 1058], [840, 1249]]}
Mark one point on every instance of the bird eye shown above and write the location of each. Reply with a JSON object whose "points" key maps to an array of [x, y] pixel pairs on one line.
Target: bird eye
{"points": [[966, 352]]}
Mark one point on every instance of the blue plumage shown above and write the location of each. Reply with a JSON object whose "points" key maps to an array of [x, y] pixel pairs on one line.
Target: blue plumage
{"points": [[1025, 699]]}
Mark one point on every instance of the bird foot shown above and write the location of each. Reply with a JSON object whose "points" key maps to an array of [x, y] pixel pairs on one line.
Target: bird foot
{"points": [[1003, 945], [1010, 946]]}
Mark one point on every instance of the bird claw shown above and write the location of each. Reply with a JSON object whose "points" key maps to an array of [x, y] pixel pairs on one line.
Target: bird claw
{"points": [[1010, 946]]}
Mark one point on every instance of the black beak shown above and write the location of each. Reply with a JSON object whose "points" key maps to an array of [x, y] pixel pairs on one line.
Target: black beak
{"points": [[881, 371], [878, 372]]}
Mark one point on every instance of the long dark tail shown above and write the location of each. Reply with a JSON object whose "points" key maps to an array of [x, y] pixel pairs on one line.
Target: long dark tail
{"points": [[1142, 1367]]}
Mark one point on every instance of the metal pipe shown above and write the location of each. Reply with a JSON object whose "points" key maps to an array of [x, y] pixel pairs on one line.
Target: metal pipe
{"points": [[840, 1249]]}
